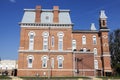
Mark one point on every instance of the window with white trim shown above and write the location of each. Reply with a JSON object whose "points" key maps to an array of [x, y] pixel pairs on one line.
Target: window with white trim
{"points": [[52, 63], [83, 39], [60, 61], [44, 61], [31, 40], [45, 40], [96, 64], [52, 41], [95, 51], [73, 44], [94, 40], [84, 50], [60, 41], [30, 59]]}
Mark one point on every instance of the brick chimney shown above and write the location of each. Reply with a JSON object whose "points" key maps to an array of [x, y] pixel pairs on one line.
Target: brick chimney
{"points": [[38, 14], [56, 14]]}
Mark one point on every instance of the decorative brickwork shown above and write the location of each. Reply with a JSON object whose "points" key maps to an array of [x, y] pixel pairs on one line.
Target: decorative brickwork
{"points": [[50, 47]]}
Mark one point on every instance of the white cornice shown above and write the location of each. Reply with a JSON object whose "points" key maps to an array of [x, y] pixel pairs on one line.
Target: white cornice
{"points": [[44, 51], [104, 30], [106, 55], [43, 25], [47, 69], [48, 10]]}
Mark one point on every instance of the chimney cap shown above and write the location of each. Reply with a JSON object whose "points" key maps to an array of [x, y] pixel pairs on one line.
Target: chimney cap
{"points": [[56, 7], [38, 7]]}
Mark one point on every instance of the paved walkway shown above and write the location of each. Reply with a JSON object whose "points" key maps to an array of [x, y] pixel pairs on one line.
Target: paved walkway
{"points": [[15, 78]]}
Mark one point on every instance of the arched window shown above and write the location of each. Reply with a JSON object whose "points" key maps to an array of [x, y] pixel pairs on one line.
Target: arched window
{"points": [[73, 44], [96, 64], [84, 49], [31, 40], [60, 40], [52, 41], [44, 61], [45, 40], [30, 59], [94, 40], [104, 22], [95, 51], [83, 39], [60, 61]]}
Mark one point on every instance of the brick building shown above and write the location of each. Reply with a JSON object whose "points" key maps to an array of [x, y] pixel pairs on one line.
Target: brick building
{"points": [[50, 47]]}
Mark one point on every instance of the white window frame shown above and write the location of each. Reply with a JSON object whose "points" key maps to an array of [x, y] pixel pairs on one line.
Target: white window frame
{"points": [[94, 40], [52, 41], [60, 61], [45, 40], [73, 44], [31, 40], [44, 62], [95, 51], [96, 64], [84, 50], [28, 58], [60, 40], [83, 39]]}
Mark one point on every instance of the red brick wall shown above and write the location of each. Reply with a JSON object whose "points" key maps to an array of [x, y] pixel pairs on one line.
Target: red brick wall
{"points": [[56, 14], [38, 39], [38, 14], [37, 64], [88, 58], [85, 64], [89, 44]]}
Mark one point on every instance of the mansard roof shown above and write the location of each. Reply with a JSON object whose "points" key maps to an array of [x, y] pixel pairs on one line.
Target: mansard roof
{"points": [[29, 16]]}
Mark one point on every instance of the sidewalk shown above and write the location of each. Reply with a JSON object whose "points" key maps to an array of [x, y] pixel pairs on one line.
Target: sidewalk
{"points": [[15, 78]]}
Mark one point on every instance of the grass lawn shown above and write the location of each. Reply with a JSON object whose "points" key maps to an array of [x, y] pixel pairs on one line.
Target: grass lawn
{"points": [[111, 77], [54, 78], [4, 77]]}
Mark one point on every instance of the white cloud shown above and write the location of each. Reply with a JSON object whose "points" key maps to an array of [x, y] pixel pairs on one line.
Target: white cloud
{"points": [[13, 1]]}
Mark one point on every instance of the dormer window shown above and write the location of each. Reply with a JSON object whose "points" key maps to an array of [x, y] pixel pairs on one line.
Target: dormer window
{"points": [[47, 17]]}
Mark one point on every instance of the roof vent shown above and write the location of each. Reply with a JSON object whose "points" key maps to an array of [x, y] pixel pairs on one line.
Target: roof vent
{"points": [[102, 14], [93, 26]]}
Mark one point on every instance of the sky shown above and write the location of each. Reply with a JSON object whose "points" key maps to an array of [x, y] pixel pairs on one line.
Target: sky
{"points": [[83, 13]]}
